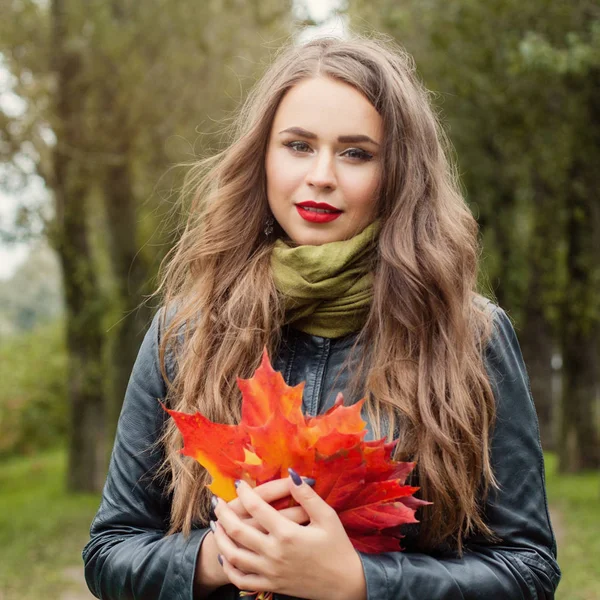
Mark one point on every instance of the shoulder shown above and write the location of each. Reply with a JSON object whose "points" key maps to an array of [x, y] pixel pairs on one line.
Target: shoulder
{"points": [[159, 329], [502, 344], [501, 327], [485, 305], [161, 320], [502, 354], [506, 369]]}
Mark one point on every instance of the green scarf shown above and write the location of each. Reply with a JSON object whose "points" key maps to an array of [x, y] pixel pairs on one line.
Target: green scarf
{"points": [[327, 289]]}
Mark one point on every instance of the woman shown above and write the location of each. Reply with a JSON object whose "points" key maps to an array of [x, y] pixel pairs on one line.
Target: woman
{"points": [[332, 231]]}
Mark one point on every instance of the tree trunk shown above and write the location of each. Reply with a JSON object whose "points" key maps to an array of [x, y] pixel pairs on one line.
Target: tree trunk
{"points": [[537, 334], [537, 345], [128, 268], [131, 277], [578, 441], [502, 226], [579, 444], [87, 457]]}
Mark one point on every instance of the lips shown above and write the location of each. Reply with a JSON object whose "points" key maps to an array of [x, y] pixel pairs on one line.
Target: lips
{"points": [[317, 212], [318, 205]]}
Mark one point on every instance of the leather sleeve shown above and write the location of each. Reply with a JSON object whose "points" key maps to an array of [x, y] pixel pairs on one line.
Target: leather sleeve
{"points": [[522, 566], [128, 555]]}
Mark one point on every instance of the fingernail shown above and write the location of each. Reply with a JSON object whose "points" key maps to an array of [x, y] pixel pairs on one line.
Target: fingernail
{"points": [[214, 502], [220, 559], [309, 481], [212, 525], [237, 483], [295, 477]]}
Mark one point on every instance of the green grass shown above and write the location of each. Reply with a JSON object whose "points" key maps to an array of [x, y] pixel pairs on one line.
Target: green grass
{"points": [[575, 500], [42, 528]]}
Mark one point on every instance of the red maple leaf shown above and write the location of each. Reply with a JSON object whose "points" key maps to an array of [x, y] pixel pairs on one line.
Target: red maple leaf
{"points": [[357, 478]]}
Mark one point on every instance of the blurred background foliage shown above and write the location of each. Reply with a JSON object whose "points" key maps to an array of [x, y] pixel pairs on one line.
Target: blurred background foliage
{"points": [[103, 101], [516, 85]]}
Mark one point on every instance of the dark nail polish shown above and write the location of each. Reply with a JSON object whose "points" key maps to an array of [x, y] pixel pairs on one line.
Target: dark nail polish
{"points": [[295, 477], [214, 502], [237, 483], [213, 526], [220, 559], [309, 481]]}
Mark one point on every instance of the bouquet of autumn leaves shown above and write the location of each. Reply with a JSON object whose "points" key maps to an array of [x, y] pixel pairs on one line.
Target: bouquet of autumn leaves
{"points": [[357, 478]]}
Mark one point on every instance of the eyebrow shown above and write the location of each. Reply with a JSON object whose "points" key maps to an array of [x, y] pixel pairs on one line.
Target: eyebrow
{"points": [[344, 139]]}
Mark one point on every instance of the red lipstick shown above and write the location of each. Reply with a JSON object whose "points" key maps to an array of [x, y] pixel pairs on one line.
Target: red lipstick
{"points": [[317, 212]]}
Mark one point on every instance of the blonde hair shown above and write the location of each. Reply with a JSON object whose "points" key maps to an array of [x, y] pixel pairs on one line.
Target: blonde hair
{"points": [[425, 331]]}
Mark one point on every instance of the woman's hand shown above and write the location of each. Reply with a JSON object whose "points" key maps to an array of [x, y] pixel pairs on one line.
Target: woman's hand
{"points": [[270, 492], [278, 555], [209, 573]]}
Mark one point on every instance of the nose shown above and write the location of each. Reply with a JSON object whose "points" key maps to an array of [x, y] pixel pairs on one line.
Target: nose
{"points": [[321, 173]]}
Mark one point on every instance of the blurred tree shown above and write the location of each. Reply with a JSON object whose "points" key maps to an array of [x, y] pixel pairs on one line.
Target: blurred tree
{"points": [[517, 143], [72, 184], [571, 70], [123, 80], [147, 90]]}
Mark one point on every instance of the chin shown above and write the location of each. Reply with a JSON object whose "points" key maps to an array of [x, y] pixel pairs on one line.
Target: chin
{"points": [[316, 238]]}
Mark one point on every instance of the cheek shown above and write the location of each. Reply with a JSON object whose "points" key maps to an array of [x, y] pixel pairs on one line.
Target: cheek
{"points": [[283, 175], [361, 188]]}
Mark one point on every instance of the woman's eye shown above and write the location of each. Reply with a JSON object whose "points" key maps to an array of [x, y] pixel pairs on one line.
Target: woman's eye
{"points": [[297, 146], [357, 153], [352, 153]]}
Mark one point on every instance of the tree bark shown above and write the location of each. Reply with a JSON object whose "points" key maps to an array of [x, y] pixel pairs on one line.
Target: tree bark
{"points": [[131, 277], [579, 444], [86, 451], [128, 268], [502, 226], [537, 334], [537, 345], [579, 447]]}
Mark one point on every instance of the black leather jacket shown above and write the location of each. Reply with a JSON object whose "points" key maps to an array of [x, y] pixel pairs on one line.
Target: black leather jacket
{"points": [[128, 555]]}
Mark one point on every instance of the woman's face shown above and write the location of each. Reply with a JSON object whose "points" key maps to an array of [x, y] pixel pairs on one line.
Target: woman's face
{"points": [[323, 162]]}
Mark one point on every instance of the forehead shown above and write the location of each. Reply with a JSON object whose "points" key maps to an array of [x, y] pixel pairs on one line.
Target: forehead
{"points": [[326, 107]]}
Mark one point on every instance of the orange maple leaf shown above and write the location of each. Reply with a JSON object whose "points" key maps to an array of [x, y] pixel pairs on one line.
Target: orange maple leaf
{"points": [[357, 478]]}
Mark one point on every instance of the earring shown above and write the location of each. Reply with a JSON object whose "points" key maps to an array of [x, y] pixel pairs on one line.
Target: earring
{"points": [[269, 226]]}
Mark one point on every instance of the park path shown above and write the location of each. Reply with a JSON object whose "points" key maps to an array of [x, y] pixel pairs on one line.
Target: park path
{"points": [[76, 587], [558, 524]]}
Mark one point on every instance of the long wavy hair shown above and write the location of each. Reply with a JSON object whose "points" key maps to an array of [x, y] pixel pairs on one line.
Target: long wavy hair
{"points": [[426, 330]]}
